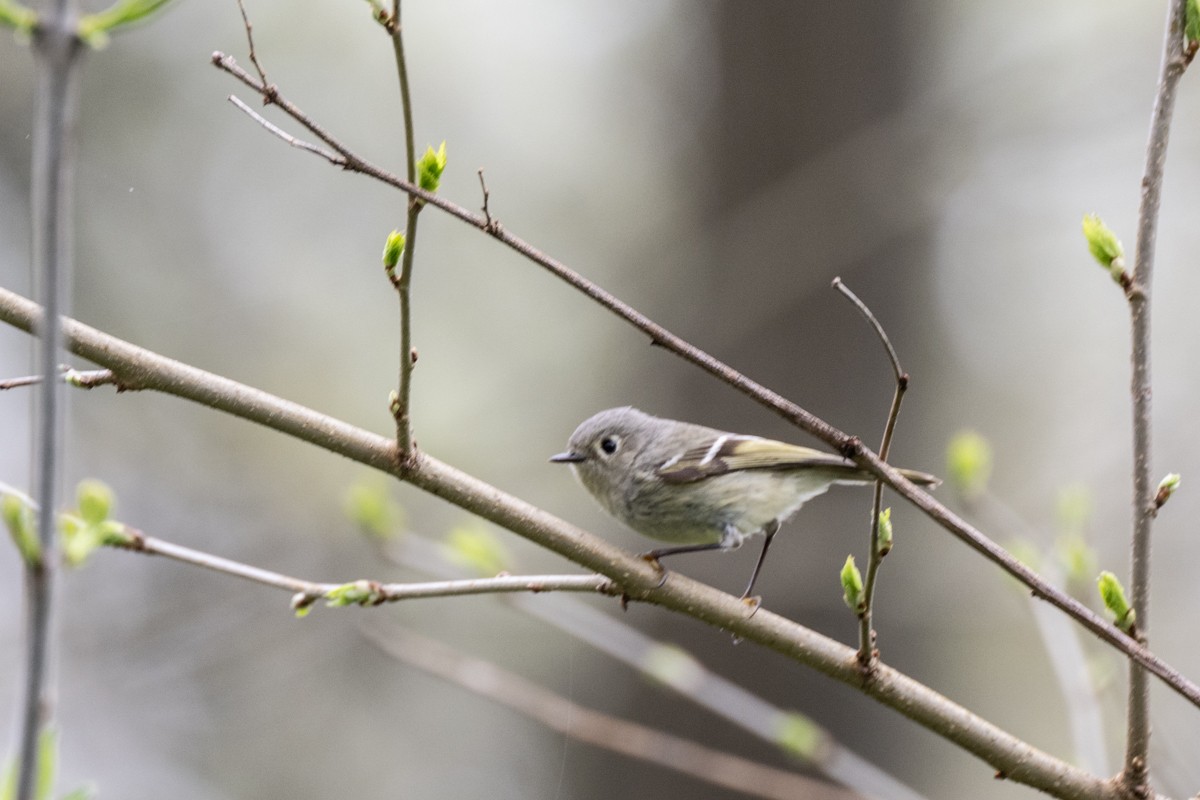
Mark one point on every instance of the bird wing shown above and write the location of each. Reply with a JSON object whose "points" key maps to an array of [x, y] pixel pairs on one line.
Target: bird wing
{"points": [[730, 453]]}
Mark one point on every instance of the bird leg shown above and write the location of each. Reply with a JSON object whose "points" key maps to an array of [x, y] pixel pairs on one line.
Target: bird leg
{"points": [[770, 529]]}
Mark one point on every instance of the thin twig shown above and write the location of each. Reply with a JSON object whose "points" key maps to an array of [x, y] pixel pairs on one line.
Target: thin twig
{"points": [[868, 654], [18, 383], [1015, 759], [557, 713], [81, 379], [57, 48], [308, 592], [1174, 63], [262, 75], [402, 409], [332, 158], [1061, 641], [490, 225]]}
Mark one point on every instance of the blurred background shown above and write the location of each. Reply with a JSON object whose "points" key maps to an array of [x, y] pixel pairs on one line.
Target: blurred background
{"points": [[715, 164]]}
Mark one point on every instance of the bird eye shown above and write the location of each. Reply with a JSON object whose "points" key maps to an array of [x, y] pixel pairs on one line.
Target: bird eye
{"points": [[609, 445]]}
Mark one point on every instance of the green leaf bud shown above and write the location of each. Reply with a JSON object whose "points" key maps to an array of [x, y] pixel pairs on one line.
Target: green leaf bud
{"points": [[393, 248], [1076, 556], [1105, 247], [18, 518], [1113, 594], [356, 593], [430, 168], [1191, 25], [1166, 488], [800, 736], [94, 28], [16, 16], [673, 666], [372, 509], [969, 463], [852, 587], [95, 501], [476, 549], [883, 540]]}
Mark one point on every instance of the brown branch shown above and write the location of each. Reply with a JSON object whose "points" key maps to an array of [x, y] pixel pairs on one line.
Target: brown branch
{"points": [[868, 655], [308, 592], [592, 727], [1174, 63]]}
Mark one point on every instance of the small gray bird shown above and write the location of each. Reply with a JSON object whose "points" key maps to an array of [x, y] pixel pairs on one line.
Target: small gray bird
{"points": [[697, 487]]}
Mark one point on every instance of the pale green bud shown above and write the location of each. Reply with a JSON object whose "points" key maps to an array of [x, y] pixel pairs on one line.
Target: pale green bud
{"points": [[1105, 247], [369, 506], [95, 28], [969, 463], [477, 549], [356, 593], [673, 666], [393, 248], [18, 518], [1113, 594], [1077, 557], [95, 501], [852, 587], [1166, 488], [430, 167], [16, 16], [799, 735], [1191, 26], [883, 540]]}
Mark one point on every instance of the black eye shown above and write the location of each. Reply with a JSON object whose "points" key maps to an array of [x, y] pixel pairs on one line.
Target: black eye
{"points": [[608, 444]]}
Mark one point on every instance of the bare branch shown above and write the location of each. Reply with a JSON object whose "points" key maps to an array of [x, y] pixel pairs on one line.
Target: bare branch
{"points": [[336, 160], [868, 655], [85, 379], [308, 592], [1174, 63], [402, 408], [262, 75], [571, 719]]}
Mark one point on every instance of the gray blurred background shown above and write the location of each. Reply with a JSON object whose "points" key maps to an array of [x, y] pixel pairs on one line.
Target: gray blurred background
{"points": [[715, 164]]}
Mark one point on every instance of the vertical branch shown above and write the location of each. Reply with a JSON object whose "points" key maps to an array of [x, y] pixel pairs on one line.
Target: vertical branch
{"points": [[58, 51], [1174, 62], [401, 408], [866, 633]]}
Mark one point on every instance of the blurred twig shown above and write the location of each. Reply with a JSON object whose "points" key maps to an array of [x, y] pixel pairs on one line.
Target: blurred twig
{"points": [[1062, 645], [58, 51], [586, 725], [792, 732]]}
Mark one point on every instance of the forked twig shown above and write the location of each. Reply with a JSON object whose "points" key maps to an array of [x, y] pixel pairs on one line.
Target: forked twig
{"points": [[868, 654]]}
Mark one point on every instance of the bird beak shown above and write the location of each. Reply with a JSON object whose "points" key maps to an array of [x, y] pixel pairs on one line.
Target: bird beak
{"points": [[568, 457]]}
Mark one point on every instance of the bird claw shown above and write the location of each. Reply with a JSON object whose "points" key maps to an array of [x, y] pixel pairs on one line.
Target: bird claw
{"points": [[651, 558], [754, 603]]}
